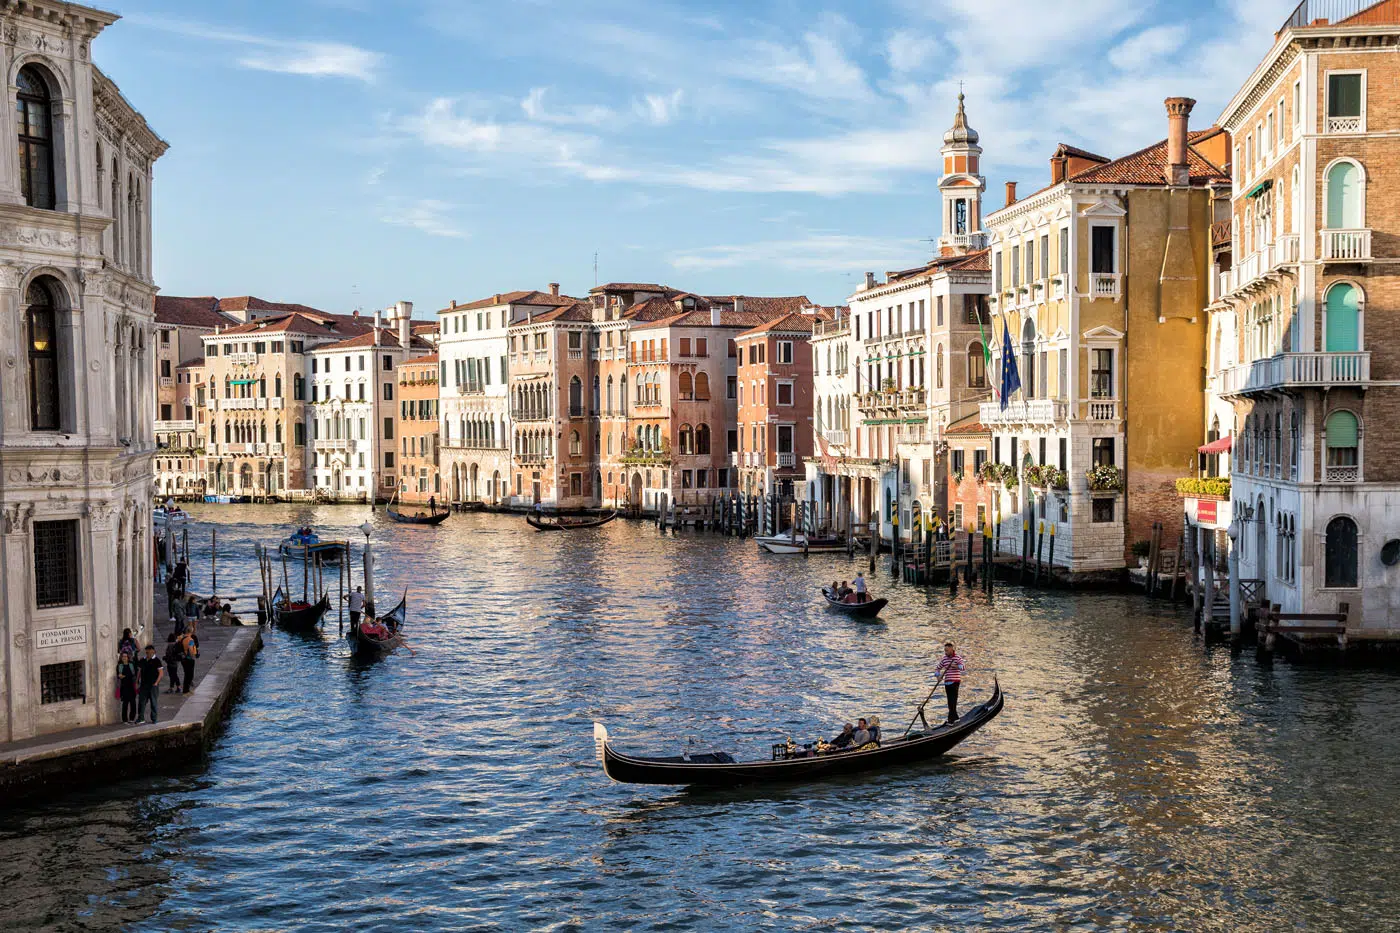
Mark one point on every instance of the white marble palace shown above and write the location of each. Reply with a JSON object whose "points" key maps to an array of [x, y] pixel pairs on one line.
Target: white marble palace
{"points": [[76, 436]]}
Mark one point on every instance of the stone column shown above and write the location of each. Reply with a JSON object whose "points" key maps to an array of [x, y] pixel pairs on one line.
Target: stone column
{"points": [[101, 598], [13, 358], [18, 722]]}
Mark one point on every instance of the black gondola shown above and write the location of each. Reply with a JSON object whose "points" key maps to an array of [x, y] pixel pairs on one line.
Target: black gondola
{"points": [[367, 647], [436, 518], [566, 523], [298, 616], [719, 769], [865, 610]]}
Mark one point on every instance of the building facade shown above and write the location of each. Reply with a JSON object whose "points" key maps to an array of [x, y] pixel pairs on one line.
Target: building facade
{"points": [[420, 479], [76, 432], [1301, 348], [776, 403]]}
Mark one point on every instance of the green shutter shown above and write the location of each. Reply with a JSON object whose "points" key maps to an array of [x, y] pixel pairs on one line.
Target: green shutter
{"points": [[1341, 430], [1343, 324]]}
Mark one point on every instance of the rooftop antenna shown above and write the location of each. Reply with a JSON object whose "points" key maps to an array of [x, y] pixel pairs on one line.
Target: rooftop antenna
{"points": [[355, 296], [595, 268]]}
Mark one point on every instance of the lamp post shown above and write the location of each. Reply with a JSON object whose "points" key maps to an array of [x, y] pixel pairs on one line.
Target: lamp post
{"points": [[1234, 561], [365, 529]]}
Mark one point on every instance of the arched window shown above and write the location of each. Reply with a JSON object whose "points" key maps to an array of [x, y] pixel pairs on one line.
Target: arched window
{"points": [[597, 394], [686, 387], [938, 368], [34, 118], [277, 385], [575, 396], [976, 367], [1343, 440], [575, 444], [1343, 306], [1344, 197], [1340, 553], [45, 410], [702, 387], [610, 395], [298, 387], [622, 394], [687, 440], [1028, 359], [702, 439]]}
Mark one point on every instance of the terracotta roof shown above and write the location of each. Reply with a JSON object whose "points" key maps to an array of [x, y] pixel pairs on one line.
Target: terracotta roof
{"points": [[630, 287], [189, 312], [578, 311], [191, 362], [769, 307], [799, 323], [1065, 149], [1145, 167], [976, 261], [299, 323], [655, 309], [252, 303], [971, 424], [1384, 13], [425, 327], [727, 319], [524, 297], [387, 338], [430, 359]]}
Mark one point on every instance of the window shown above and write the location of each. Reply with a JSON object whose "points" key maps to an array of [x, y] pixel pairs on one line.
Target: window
{"points": [[938, 311], [388, 363], [1064, 453], [702, 439], [785, 439], [733, 349], [958, 461], [1103, 451], [299, 434], [44, 409], [56, 564], [1015, 266], [388, 391], [575, 444], [33, 119], [62, 681], [1101, 374], [1343, 439], [784, 351], [702, 387], [1345, 190], [1343, 319], [1103, 511], [979, 457], [1044, 255], [1064, 249], [1340, 553], [298, 387], [1101, 250], [997, 276], [388, 432], [784, 393], [938, 367], [1346, 103]]}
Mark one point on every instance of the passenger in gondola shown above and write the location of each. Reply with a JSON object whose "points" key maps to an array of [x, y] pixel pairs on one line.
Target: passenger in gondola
{"points": [[845, 739], [862, 734], [875, 729]]}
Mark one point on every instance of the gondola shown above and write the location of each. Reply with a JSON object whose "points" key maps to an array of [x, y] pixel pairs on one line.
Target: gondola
{"points": [[471, 505], [800, 544], [436, 518], [719, 769], [567, 523], [367, 647], [298, 616], [865, 610]]}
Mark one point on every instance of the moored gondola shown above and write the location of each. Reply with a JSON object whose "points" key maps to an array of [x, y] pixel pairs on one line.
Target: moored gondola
{"points": [[800, 544], [865, 610], [719, 769], [434, 518], [298, 616], [567, 523], [368, 646]]}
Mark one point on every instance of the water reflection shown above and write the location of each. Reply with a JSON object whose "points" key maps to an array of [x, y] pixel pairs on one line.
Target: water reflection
{"points": [[1134, 780]]}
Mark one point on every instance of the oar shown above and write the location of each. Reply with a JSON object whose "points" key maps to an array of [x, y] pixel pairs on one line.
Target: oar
{"points": [[920, 709]]}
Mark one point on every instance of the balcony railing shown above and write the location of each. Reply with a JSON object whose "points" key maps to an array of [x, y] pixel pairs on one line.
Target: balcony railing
{"points": [[167, 381], [903, 399], [576, 411], [1297, 370], [835, 437], [1343, 125], [825, 328], [1254, 268], [1342, 474], [170, 427], [242, 359], [529, 414], [1035, 411], [240, 404], [1346, 245], [787, 460], [1221, 233], [575, 354], [969, 240], [1103, 285], [1324, 12], [1103, 409]]}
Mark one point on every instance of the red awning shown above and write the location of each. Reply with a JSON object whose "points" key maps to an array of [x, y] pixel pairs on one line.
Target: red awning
{"points": [[1221, 446]]}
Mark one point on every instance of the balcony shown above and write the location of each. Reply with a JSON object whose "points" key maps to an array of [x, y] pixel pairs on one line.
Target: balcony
{"points": [[835, 438], [338, 443], [1103, 409], [242, 359], [902, 400], [575, 354], [1346, 245], [1343, 125], [471, 388], [1342, 474], [787, 460], [1297, 370], [576, 411], [1057, 287], [829, 328], [274, 450], [968, 240], [1221, 233], [167, 382], [1257, 268], [535, 459], [734, 456], [1104, 285], [171, 427], [1044, 411], [240, 404], [529, 414]]}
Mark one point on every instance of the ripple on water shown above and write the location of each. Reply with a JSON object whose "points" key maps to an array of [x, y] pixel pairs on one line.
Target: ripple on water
{"points": [[1134, 781]]}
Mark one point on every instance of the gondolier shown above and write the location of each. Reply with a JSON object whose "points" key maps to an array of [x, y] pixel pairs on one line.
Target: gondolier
{"points": [[357, 605], [951, 668]]}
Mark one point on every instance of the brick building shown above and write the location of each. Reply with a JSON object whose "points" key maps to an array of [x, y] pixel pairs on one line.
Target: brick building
{"points": [[969, 503], [776, 402], [419, 448]]}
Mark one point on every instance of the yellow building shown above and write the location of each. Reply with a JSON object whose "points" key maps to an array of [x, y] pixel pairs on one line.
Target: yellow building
{"points": [[1099, 279]]}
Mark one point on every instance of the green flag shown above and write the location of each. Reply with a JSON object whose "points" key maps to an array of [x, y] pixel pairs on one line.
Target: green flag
{"points": [[986, 348]]}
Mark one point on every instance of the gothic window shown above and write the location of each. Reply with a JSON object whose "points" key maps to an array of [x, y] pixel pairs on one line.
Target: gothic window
{"points": [[45, 412], [976, 367], [702, 439], [34, 119], [1340, 553], [702, 387]]}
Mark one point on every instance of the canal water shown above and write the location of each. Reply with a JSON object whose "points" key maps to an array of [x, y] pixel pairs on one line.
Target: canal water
{"points": [[1134, 781]]}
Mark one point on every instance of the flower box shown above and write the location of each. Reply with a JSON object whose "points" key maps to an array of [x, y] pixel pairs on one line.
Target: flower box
{"points": [[1211, 487], [1104, 478]]}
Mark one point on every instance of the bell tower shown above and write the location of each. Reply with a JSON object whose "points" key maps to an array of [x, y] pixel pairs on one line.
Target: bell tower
{"points": [[962, 187]]}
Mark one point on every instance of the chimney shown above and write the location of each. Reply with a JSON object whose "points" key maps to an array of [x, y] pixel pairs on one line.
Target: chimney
{"points": [[554, 289], [454, 302], [869, 280], [1177, 171], [404, 310], [1010, 193], [376, 328], [714, 315], [1057, 168], [738, 303]]}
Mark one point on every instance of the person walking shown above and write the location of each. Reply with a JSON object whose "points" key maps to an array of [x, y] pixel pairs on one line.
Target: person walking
{"points": [[951, 668], [189, 652], [173, 654], [151, 670], [126, 687]]}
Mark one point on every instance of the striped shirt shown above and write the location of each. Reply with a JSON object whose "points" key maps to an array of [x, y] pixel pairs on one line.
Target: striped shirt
{"points": [[951, 667]]}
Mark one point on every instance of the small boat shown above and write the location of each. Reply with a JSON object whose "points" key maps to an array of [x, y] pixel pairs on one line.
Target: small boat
{"points": [[431, 517], [865, 610], [540, 522], [228, 500], [298, 616], [791, 763], [369, 647], [173, 517], [798, 544], [305, 544], [472, 505]]}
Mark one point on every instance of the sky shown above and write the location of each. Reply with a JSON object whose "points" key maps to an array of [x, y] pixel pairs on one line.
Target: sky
{"points": [[351, 153]]}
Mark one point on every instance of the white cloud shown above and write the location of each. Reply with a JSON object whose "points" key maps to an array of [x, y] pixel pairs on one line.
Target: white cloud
{"points": [[592, 115], [908, 51], [426, 215], [1144, 50], [311, 57], [818, 67], [659, 109], [824, 252]]}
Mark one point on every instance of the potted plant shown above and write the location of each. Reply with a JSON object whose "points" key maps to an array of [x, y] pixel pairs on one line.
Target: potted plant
{"points": [[1037, 475], [1104, 478], [887, 386], [1056, 478], [957, 477], [1140, 550]]}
